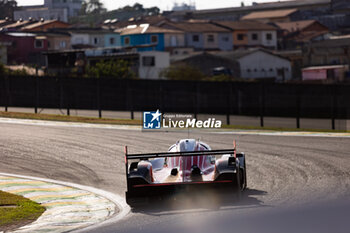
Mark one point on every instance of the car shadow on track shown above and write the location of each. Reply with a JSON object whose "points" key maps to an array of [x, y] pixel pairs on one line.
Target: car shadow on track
{"points": [[200, 202]]}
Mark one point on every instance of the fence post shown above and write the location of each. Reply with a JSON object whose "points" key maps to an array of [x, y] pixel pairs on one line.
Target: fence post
{"points": [[68, 103], [334, 105], [229, 103], [196, 107], [262, 104], [161, 97], [298, 100], [36, 93], [7, 93], [129, 99], [98, 97]]}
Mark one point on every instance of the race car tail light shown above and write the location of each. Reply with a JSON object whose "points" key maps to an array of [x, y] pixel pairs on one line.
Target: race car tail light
{"points": [[174, 171], [232, 161]]}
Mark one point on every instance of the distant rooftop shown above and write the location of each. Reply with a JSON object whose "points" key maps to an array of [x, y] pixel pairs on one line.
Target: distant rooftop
{"points": [[144, 29], [42, 23], [296, 25], [196, 27], [245, 25], [269, 14], [21, 34], [273, 5]]}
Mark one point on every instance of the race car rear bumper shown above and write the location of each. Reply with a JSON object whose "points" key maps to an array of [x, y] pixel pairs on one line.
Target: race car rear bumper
{"points": [[145, 191]]}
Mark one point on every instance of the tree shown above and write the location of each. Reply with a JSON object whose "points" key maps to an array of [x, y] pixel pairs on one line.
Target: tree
{"points": [[138, 7], [93, 7], [7, 7], [182, 72], [117, 69]]}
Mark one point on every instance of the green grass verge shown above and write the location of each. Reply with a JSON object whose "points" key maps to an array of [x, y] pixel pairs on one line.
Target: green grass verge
{"points": [[16, 211], [53, 117]]}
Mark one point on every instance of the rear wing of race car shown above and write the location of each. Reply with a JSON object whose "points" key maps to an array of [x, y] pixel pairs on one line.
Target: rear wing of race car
{"points": [[175, 154], [147, 156]]}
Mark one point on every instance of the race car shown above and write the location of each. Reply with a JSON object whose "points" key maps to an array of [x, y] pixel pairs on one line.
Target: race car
{"points": [[188, 165]]}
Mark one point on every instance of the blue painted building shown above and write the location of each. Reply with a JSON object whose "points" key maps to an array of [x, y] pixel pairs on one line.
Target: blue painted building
{"points": [[112, 40], [150, 38]]}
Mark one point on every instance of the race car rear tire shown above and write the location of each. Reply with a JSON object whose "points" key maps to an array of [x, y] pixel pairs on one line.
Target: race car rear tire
{"points": [[237, 187]]}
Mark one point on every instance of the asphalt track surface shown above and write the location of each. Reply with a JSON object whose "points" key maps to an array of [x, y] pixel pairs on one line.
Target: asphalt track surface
{"points": [[295, 184]]}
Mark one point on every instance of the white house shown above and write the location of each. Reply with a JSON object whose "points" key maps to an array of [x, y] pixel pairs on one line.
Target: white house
{"points": [[260, 63], [93, 38], [152, 63]]}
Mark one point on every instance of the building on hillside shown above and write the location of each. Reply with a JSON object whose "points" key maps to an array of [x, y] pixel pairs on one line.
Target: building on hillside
{"points": [[184, 7], [146, 65], [203, 35], [334, 73], [51, 9], [41, 13], [235, 13], [112, 39], [334, 14], [17, 25], [247, 34], [73, 6], [58, 40], [25, 48], [296, 59], [293, 35], [246, 64], [152, 63], [93, 38], [334, 51], [260, 64], [205, 62], [159, 39], [271, 16]]}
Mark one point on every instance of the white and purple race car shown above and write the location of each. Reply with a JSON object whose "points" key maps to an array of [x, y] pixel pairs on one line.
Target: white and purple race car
{"points": [[188, 165]]}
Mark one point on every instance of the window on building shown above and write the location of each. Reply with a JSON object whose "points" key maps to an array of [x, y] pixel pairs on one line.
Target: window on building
{"points": [[240, 36], [254, 36], [63, 44], [154, 39], [48, 44], [148, 61], [268, 36], [79, 40], [225, 38], [39, 44], [95, 40], [127, 40], [210, 38], [280, 72], [111, 41], [195, 38]]}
